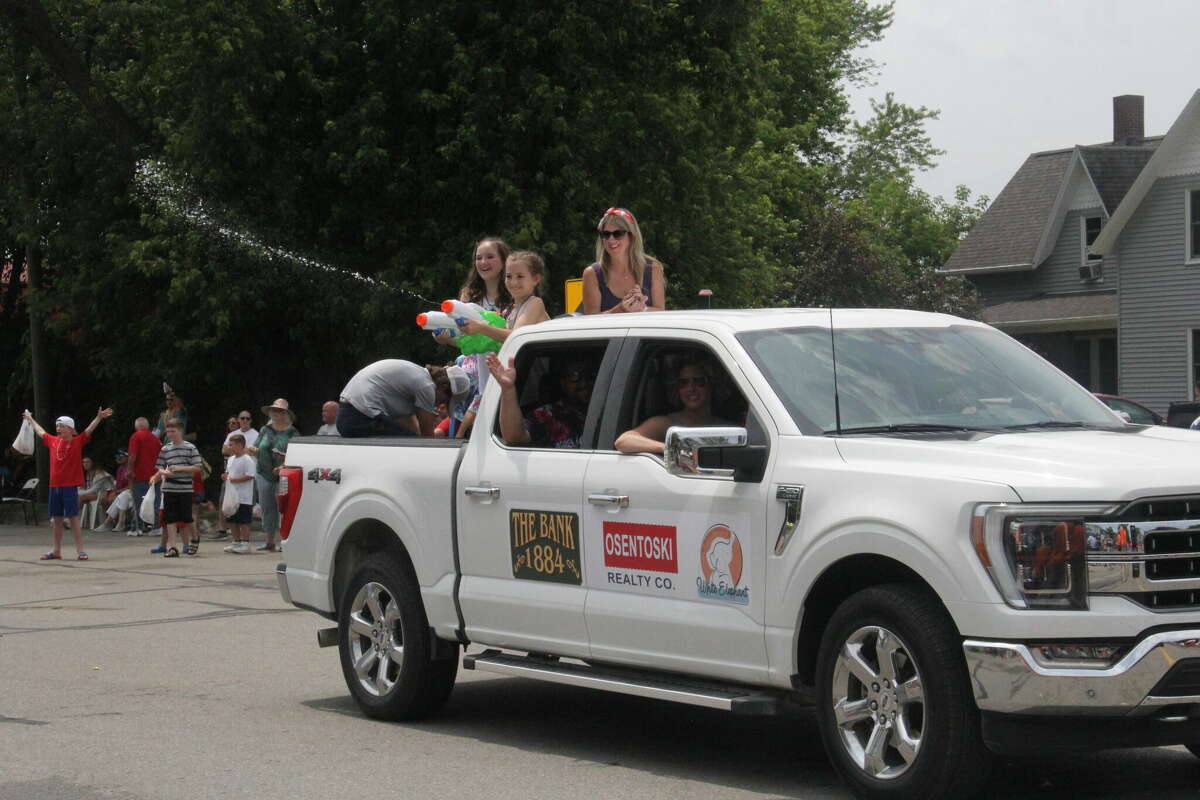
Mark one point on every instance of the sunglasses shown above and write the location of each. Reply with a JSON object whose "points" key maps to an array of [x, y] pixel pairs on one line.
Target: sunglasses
{"points": [[699, 381], [613, 234]]}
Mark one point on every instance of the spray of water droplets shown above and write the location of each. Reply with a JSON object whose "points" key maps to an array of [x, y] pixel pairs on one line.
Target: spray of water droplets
{"points": [[171, 196]]}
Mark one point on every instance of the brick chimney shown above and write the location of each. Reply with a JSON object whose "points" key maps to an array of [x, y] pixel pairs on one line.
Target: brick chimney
{"points": [[1129, 119]]}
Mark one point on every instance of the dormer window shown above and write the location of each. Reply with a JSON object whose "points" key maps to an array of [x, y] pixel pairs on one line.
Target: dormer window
{"points": [[1192, 233], [1089, 265], [1090, 230]]}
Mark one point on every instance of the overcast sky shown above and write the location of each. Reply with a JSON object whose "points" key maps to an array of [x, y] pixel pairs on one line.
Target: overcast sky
{"points": [[1012, 77]]}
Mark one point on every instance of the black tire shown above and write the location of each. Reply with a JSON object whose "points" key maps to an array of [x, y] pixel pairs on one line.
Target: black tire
{"points": [[382, 625], [920, 710]]}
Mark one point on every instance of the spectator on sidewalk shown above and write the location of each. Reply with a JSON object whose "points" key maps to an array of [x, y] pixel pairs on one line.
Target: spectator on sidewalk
{"points": [[143, 455], [66, 474], [177, 462], [328, 419], [270, 450], [97, 484], [222, 531], [239, 477], [242, 428], [120, 497], [175, 411]]}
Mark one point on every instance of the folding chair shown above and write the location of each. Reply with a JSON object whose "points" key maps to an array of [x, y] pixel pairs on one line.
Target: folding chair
{"points": [[26, 498]]}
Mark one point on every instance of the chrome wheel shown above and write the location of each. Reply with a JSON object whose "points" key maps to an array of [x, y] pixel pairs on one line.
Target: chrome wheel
{"points": [[878, 702], [375, 639]]}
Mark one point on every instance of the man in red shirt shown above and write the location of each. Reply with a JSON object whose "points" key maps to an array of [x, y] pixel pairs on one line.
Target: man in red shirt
{"points": [[66, 474], [143, 455]]}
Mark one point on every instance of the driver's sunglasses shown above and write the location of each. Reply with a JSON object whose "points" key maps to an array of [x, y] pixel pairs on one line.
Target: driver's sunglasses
{"points": [[699, 381], [613, 234]]}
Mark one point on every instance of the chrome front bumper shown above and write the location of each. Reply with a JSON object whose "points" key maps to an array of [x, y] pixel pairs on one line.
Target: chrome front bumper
{"points": [[281, 579], [1007, 678]]}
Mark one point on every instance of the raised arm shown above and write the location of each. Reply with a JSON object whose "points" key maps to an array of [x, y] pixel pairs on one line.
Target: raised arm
{"points": [[512, 423], [38, 429], [103, 413]]}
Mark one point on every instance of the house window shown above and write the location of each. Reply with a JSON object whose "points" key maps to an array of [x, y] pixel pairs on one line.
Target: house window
{"points": [[1090, 230], [1192, 205], [1095, 362]]}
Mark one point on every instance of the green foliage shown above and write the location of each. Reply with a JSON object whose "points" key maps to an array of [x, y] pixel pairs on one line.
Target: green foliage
{"points": [[879, 240]]}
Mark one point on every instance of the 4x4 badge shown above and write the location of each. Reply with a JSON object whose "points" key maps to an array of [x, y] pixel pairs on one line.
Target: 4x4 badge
{"points": [[325, 474]]}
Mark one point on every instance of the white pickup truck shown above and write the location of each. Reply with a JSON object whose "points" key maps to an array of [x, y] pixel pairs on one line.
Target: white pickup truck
{"points": [[907, 520]]}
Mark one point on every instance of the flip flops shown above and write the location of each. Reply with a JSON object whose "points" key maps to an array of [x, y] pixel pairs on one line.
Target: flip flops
{"points": [[81, 557], [171, 553], [192, 547], [51, 557], [158, 548]]}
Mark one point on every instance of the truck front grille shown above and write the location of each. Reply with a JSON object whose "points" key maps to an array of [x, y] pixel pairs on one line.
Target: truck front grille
{"points": [[1149, 552]]}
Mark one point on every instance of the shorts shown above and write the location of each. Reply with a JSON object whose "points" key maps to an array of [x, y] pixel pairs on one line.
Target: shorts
{"points": [[177, 507], [242, 517], [64, 501]]}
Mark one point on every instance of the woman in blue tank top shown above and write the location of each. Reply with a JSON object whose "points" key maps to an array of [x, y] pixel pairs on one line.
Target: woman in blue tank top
{"points": [[623, 278]]}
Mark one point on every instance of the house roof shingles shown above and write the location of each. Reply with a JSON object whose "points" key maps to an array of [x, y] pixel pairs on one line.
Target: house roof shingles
{"points": [[1010, 230], [1114, 168], [1099, 309]]}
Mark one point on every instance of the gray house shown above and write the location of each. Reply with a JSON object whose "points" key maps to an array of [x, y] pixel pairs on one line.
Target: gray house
{"points": [[1091, 256]]}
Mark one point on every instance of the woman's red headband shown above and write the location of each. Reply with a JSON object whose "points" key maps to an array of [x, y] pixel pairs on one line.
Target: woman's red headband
{"points": [[620, 212]]}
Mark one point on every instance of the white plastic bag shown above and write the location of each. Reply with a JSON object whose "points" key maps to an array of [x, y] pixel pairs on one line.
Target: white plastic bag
{"points": [[229, 503], [146, 512], [24, 442]]}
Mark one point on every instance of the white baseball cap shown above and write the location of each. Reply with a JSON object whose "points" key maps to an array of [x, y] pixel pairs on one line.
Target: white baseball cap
{"points": [[70, 423], [460, 384]]}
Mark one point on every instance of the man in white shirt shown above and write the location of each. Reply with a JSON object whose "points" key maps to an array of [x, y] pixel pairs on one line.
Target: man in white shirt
{"points": [[328, 419], [239, 477]]}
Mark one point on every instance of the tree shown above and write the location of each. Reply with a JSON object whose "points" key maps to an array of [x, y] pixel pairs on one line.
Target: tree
{"points": [[879, 239]]}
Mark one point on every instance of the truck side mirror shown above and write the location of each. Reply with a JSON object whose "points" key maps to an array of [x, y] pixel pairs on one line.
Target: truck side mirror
{"points": [[714, 453]]}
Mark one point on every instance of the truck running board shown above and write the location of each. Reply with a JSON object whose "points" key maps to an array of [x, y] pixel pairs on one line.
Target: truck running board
{"points": [[641, 683]]}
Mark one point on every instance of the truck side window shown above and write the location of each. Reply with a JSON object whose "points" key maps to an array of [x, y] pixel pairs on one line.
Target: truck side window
{"points": [[554, 385], [675, 384]]}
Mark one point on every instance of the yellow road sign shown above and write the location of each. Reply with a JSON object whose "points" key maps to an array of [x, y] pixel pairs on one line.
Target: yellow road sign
{"points": [[573, 295]]}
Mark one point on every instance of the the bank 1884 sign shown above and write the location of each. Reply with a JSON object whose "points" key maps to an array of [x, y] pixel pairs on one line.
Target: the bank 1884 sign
{"points": [[545, 546]]}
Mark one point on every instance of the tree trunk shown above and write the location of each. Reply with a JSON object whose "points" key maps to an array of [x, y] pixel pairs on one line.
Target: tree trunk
{"points": [[37, 358]]}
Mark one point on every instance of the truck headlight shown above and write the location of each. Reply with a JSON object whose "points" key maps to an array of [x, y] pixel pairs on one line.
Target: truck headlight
{"points": [[1036, 554]]}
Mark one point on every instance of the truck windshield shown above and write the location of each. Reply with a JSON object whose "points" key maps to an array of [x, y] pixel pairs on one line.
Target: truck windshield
{"points": [[916, 380]]}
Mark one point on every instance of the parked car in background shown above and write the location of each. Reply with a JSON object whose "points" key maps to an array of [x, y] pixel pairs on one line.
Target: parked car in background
{"points": [[1181, 415], [1138, 413]]}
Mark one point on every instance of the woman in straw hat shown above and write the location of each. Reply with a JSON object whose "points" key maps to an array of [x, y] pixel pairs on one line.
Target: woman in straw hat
{"points": [[270, 450]]}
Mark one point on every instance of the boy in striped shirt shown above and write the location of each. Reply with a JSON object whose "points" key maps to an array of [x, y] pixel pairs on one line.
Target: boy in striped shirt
{"points": [[177, 462]]}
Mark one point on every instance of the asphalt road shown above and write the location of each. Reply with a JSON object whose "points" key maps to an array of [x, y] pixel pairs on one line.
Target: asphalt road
{"points": [[133, 677]]}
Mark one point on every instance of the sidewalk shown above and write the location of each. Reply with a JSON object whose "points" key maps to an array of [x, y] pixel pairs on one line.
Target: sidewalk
{"points": [[27, 543]]}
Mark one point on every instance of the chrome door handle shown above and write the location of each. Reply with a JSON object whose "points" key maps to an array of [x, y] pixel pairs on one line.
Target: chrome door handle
{"points": [[482, 491], [618, 500]]}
